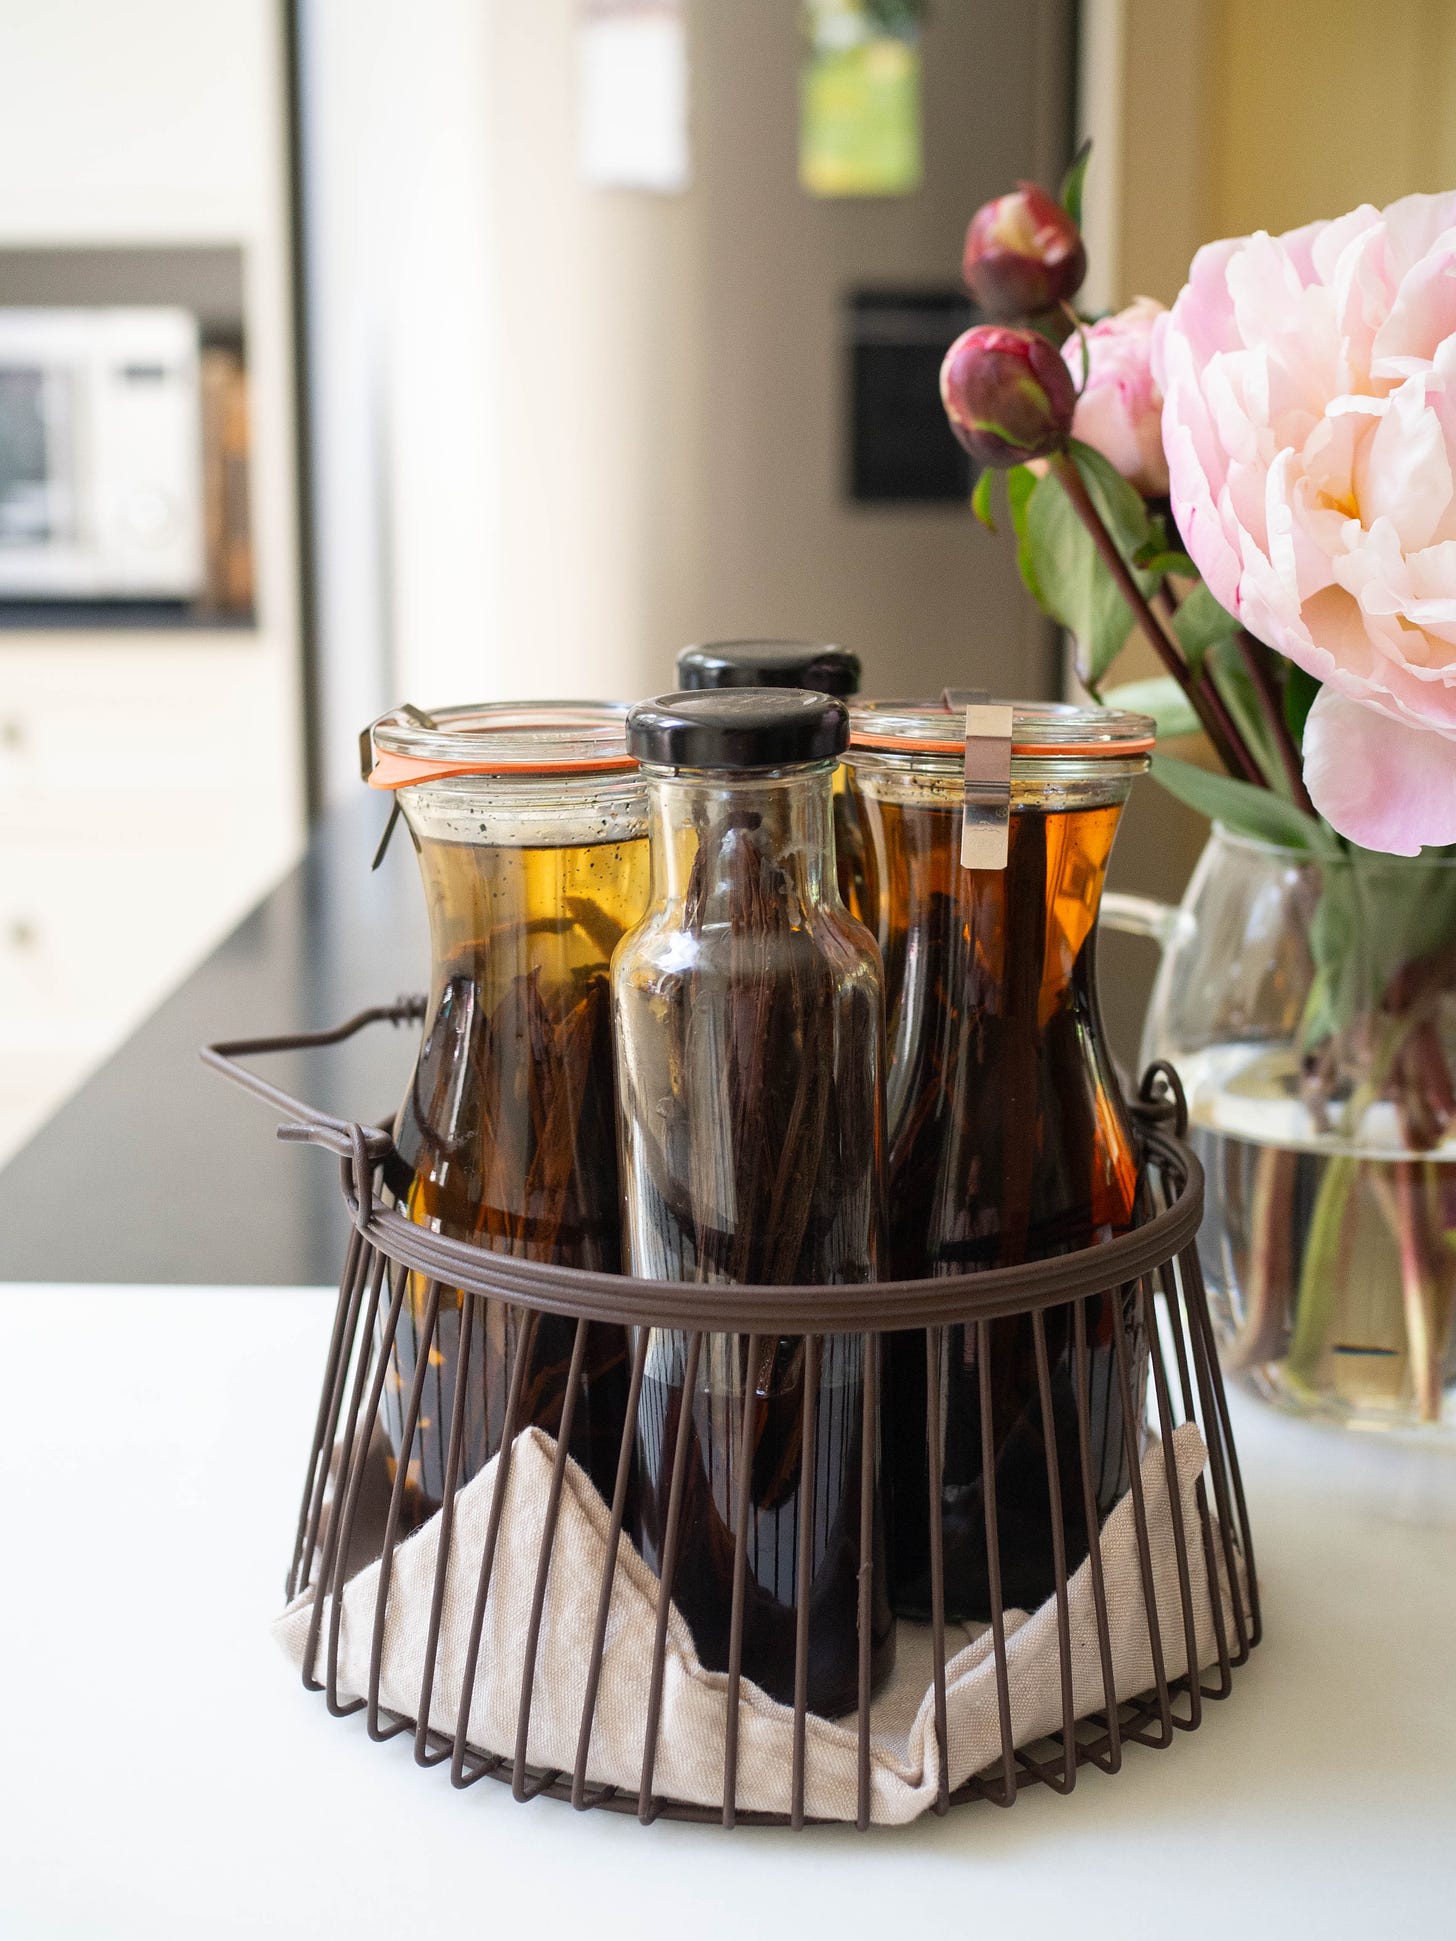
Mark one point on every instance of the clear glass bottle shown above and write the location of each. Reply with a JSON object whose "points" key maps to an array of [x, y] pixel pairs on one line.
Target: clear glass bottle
{"points": [[815, 664], [1007, 1136], [529, 824], [749, 1028]]}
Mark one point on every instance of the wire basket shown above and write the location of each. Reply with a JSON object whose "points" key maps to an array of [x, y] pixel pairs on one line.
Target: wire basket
{"points": [[1189, 1540]]}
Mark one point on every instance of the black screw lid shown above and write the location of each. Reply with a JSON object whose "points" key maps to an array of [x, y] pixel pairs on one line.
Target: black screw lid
{"points": [[749, 727], [815, 664]]}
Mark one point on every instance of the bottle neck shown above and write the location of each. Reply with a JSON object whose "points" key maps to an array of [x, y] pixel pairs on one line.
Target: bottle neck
{"points": [[720, 842]]}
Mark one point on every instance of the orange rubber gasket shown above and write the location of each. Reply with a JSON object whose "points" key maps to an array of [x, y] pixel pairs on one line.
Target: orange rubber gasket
{"points": [[404, 771], [1031, 750]]}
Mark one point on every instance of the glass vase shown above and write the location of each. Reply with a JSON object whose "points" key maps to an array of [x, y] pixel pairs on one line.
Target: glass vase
{"points": [[1309, 1005]]}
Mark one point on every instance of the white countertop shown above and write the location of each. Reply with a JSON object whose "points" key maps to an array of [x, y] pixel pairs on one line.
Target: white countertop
{"points": [[163, 1773]]}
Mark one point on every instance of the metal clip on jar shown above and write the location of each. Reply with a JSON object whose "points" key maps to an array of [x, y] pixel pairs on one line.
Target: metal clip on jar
{"points": [[1007, 1136], [530, 828], [749, 1032]]}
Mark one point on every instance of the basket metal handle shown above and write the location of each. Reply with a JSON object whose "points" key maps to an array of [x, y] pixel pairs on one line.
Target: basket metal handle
{"points": [[348, 1138]]}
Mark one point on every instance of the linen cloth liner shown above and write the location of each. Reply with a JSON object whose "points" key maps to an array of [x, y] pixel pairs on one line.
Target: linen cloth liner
{"points": [[904, 1773]]}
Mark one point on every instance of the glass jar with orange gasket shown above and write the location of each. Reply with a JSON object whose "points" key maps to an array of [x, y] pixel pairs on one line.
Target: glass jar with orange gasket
{"points": [[987, 836], [529, 824]]}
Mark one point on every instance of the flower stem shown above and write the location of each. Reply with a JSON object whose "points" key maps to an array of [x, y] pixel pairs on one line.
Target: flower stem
{"points": [[1205, 702], [1402, 1210], [1256, 659]]}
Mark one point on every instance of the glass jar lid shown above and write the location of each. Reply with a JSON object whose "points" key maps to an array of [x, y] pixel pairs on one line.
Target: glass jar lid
{"points": [[408, 745], [1041, 731], [738, 728], [816, 664]]}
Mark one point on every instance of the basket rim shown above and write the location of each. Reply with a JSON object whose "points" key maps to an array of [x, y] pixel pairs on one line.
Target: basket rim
{"points": [[869, 1307]]}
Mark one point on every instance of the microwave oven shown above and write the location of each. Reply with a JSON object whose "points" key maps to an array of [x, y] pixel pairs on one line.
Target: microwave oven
{"points": [[100, 455]]}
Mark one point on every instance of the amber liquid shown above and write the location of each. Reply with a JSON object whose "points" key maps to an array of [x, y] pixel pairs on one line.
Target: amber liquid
{"points": [[1008, 1142], [507, 1136]]}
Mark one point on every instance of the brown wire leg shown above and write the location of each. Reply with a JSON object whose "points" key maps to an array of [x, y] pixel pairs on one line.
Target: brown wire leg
{"points": [[934, 1351], [346, 1313], [741, 1511], [1105, 1752], [1164, 1708], [462, 1774], [1005, 1793], [804, 1579], [358, 1467], [1223, 1462], [609, 1572], [867, 1452], [646, 1805], [432, 1747], [1064, 1781], [1166, 1425], [396, 1504], [1176, 1318], [543, 1569]]}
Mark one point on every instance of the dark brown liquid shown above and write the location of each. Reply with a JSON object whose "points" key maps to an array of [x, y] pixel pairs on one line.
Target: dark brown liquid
{"points": [[751, 1050], [1008, 1143], [508, 1137], [703, 1578]]}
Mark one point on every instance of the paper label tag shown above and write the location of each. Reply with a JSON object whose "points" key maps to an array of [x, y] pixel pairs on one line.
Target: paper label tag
{"points": [[986, 818]]}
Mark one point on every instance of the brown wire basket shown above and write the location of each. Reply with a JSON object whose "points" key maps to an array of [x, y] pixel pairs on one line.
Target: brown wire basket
{"points": [[1185, 1611]]}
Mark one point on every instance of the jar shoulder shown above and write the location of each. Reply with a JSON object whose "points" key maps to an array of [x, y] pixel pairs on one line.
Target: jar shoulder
{"points": [[660, 949]]}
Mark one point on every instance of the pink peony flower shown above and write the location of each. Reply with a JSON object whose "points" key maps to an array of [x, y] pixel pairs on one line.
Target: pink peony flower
{"points": [[1120, 411], [1310, 431]]}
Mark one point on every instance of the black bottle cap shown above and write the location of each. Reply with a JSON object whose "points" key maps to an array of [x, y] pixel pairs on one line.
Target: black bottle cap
{"points": [[748, 727], [813, 664]]}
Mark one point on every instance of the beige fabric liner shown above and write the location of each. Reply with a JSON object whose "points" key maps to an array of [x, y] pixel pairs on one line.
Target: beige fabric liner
{"points": [[691, 1742]]}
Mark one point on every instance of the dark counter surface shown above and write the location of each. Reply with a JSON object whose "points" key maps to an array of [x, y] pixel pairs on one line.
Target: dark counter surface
{"points": [[158, 1170]]}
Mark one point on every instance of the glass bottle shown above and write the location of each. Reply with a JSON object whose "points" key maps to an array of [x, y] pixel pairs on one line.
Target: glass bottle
{"points": [[815, 664], [749, 1029], [1007, 1136], [529, 825]]}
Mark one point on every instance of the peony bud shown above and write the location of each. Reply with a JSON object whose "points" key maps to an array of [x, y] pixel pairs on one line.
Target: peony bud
{"points": [[1023, 254], [1008, 395]]}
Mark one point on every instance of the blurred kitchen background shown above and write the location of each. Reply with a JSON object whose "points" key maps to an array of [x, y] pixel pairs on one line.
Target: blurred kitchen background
{"points": [[356, 350]]}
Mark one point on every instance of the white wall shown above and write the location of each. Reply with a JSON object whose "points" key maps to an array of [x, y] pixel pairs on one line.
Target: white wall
{"points": [[397, 168], [562, 430]]}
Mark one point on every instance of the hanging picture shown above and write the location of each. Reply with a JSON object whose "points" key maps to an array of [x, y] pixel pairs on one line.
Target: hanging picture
{"points": [[632, 94], [859, 97]]}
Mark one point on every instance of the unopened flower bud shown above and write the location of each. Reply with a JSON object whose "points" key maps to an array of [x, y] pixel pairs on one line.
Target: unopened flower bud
{"points": [[1023, 254], [1008, 395]]}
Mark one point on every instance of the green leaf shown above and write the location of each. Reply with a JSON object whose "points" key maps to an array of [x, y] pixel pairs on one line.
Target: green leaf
{"points": [[1376, 916], [1160, 697], [1299, 692], [1156, 558], [1121, 505], [1225, 664], [1070, 193], [981, 499], [1021, 482], [1200, 623], [1065, 569], [1075, 587], [1244, 808]]}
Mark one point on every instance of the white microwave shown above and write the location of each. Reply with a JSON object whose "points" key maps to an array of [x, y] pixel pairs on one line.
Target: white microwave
{"points": [[100, 455]]}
